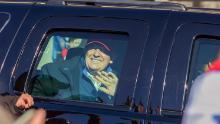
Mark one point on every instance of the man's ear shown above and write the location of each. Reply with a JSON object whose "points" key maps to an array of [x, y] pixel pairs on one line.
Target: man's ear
{"points": [[111, 62]]}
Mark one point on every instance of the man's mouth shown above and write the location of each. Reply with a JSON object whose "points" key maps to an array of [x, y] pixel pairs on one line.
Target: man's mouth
{"points": [[95, 60]]}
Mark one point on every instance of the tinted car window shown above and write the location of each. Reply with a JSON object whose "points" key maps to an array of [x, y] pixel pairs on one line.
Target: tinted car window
{"points": [[81, 66], [205, 51]]}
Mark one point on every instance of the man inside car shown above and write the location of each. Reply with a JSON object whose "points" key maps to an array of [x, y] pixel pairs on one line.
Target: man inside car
{"points": [[86, 77]]}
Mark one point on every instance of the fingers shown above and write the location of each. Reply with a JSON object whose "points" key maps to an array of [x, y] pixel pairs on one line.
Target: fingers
{"points": [[103, 75], [106, 78], [112, 76], [105, 91], [29, 100], [102, 80], [109, 80], [20, 103], [25, 101]]}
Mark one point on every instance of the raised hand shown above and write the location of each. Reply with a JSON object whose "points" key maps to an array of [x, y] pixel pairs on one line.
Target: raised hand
{"points": [[24, 101], [109, 80]]}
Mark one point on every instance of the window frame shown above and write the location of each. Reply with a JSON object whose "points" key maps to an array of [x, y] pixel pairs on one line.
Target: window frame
{"points": [[199, 40], [181, 54], [41, 30], [63, 31]]}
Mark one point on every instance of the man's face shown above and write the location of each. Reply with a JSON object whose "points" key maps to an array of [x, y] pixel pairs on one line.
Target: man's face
{"points": [[96, 60]]}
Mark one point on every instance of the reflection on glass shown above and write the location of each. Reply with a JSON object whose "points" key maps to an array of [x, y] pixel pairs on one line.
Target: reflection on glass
{"points": [[204, 53], [80, 66]]}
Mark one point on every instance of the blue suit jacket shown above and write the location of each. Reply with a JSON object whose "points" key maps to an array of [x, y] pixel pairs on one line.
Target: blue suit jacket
{"points": [[65, 80]]}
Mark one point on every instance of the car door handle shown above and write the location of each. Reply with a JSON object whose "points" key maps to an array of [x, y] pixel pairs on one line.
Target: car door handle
{"points": [[57, 121]]}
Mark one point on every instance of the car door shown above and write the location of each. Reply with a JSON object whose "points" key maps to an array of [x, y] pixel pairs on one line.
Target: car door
{"points": [[195, 43], [51, 37], [10, 22]]}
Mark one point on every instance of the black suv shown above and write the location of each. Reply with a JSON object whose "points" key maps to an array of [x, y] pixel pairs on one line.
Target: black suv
{"points": [[153, 53]]}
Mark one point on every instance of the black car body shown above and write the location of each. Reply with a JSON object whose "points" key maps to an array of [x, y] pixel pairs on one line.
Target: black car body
{"points": [[166, 47]]}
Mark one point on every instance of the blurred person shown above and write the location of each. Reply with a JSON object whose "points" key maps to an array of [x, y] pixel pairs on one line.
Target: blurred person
{"points": [[74, 43], [39, 117], [16, 105], [6, 116], [12, 110], [203, 103], [32, 116]]}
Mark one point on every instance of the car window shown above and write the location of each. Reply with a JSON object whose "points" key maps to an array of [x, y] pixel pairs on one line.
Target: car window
{"points": [[206, 50], [82, 66]]}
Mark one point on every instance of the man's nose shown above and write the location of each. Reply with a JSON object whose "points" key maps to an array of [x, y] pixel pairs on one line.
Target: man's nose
{"points": [[96, 54]]}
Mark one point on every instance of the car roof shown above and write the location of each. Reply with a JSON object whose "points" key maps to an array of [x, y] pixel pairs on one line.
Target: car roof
{"points": [[129, 4], [134, 4]]}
